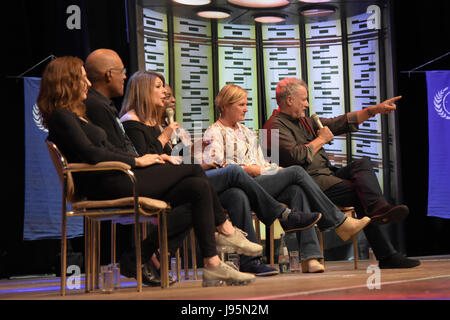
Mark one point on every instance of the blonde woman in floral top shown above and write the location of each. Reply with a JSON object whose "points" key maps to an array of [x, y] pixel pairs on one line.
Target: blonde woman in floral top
{"points": [[233, 143]]}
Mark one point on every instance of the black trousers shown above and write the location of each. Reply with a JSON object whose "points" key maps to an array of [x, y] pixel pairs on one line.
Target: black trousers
{"points": [[360, 189], [177, 184]]}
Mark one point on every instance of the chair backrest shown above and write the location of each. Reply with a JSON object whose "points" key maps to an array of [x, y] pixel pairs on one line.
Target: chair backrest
{"points": [[60, 164]]}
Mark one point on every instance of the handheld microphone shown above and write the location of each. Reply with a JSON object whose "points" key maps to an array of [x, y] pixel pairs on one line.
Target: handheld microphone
{"points": [[170, 116], [316, 119]]}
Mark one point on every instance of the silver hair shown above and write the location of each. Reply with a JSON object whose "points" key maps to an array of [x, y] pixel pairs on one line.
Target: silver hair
{"points": [[287, 87]]}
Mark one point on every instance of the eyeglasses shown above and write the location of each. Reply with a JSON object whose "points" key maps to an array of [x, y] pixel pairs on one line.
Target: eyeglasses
{"points": [[122, 71]]}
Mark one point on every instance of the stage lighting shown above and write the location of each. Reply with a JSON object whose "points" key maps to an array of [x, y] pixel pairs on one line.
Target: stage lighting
{"points": [[193, 2], [259, 3], [269, 18], [213, 13]]}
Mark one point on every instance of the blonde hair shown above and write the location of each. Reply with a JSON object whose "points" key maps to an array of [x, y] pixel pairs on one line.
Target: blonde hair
{"points": [[229, 95], [287, 87], [61, 87], [139, 96]]}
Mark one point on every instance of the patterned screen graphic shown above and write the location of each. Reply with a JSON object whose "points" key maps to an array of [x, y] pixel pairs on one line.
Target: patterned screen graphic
{"points": [[281, 53], [325, 79], [237, 56], [365, 89], [193, 72], [281, 49], [156, 42]]}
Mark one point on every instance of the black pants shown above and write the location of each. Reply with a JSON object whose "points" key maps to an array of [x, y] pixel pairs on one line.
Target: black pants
{"points": [[177, 184], [360, 189]]}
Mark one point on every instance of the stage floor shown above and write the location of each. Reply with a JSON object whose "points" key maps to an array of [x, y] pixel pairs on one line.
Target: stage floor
{"points": [[429, 281]]}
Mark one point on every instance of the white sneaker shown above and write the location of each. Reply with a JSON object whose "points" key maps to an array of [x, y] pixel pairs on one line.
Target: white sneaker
{"points": [[237, 242], [225, 273]]}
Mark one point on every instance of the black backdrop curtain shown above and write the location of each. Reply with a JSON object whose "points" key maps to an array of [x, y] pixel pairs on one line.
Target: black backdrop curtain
{"points": [[31, 31]]}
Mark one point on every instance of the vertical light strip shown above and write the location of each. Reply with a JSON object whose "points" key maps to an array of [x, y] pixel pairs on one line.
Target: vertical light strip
{"points": [[365, 90], [156, 42], [325, 79], [281, 48], [193, 74], [237, 64]]}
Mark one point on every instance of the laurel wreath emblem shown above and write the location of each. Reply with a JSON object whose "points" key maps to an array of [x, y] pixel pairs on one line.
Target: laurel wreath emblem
{"points": [[439, 102], [37, 117]]}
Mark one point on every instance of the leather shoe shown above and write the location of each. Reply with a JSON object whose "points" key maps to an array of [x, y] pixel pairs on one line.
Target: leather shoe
{"points": [[298, 220], [351, 226], [312, 266], [383, 213]]}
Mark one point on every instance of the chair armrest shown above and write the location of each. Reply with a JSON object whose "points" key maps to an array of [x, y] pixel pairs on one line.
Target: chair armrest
{"points": [[101, 166]]}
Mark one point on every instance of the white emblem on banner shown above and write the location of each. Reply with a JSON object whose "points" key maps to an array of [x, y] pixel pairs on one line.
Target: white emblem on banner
{"points": [[37, 117], [440, 102]]}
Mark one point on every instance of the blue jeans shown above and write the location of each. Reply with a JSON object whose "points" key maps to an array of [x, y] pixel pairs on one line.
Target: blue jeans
{"points": [[237, 204], [295, 187], [263, 204]]}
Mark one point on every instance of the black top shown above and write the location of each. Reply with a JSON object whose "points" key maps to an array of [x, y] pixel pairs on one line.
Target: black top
{"points": [[81, 141], [103, 112], [145, 138]]}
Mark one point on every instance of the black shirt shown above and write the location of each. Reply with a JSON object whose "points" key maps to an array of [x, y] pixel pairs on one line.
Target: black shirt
{"points": [[103, 112]]}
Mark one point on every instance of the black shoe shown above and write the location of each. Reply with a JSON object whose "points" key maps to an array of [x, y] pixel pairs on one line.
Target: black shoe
{"points": [[397, 261], [258, 268], [128, 269], [298, 220], [152, 269], [385, 213]]}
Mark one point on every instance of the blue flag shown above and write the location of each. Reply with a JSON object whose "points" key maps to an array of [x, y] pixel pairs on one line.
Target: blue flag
{"points": [[43, 192], [438, 84]]}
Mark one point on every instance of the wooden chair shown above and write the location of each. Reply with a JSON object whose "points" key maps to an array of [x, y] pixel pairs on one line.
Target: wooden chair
{"points": [[133, 210], [270, 237]]}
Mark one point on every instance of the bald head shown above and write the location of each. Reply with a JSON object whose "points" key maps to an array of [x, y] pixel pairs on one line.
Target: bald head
{"points": [[104, 70]]}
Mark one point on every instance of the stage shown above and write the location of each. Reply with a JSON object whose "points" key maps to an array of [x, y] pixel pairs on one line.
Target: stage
{"points": [[429, 281]]}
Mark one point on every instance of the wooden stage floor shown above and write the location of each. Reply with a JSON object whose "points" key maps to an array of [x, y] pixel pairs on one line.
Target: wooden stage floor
{"points": [[429, 281]]}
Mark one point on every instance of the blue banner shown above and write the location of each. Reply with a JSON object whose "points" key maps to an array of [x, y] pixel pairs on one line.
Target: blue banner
{"points": [[43, 192], [438, 84]]}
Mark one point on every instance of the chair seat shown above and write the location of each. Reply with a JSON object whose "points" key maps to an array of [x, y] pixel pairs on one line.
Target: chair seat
{"points": [[146, 203]]}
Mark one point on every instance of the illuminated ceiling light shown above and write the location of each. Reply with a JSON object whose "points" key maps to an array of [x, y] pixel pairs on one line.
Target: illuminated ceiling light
{"points": [[193, 2], [259, 3], [269, 18], [314, 1], [213, 13], [317, 11]]}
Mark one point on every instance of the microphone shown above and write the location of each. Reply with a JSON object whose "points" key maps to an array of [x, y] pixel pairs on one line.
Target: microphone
{"points": [[316, 119], [170, 116]]}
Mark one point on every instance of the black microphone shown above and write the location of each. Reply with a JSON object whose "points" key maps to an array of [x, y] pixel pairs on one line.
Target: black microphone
{"points": [[170, 117], [316, 119]]}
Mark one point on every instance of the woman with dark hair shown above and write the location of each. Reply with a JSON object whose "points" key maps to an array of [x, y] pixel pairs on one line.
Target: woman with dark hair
{"points": [[64, 86]]}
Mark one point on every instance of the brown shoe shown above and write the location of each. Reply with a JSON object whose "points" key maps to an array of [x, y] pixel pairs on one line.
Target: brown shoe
{"points": [[351, 226], [389, 214], [312, 266]]}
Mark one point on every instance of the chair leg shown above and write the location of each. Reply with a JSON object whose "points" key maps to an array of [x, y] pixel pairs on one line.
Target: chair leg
{"points": [[113, 242], [193, 253], [355, 252], [186, 259], [87, 255], [137, 244], [272, 244], [164, 269], [320, 236], [63, 254], [178, 261]]}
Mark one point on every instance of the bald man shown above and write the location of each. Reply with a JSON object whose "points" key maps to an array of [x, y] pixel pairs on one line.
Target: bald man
{"points": [[107, 74]]}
